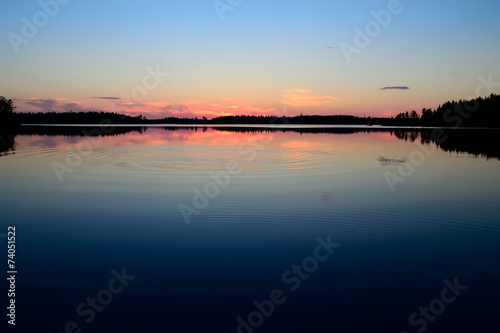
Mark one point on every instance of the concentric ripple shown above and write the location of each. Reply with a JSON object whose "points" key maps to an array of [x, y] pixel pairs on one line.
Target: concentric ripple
{"points": [[200, 159]]}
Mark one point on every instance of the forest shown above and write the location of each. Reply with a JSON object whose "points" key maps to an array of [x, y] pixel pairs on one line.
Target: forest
{"points": [[478, 112]]}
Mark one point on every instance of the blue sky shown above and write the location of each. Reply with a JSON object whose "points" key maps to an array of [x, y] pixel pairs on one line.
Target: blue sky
{"points": [[265, 56]]}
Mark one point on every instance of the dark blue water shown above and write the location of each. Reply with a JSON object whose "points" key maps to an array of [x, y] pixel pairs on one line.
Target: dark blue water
{"points": [[260, 239]]}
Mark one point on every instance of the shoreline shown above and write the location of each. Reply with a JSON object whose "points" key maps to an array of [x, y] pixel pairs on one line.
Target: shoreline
{"points": [[268, 126]]}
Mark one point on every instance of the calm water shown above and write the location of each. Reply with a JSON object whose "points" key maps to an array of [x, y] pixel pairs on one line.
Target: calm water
{"points": [[211, 220]]}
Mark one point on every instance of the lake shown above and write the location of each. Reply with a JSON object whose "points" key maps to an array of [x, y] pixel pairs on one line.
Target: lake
{"points": [[243, 229]]}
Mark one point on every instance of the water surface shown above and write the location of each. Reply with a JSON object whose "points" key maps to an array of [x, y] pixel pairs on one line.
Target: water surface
{"points": [[84, 206]]}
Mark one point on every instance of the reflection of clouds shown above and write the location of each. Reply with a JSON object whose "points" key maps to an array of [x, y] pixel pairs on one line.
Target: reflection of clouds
{"points": [[202, 138], [153, 137], [389, 161], [37, 141], [48, 141], [221, 138], [385, 135], [303, 145]]}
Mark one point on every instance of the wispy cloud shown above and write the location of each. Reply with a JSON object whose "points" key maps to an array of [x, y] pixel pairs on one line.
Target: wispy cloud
{"points": [[189, 109], [330, 47], [151, 110], [110, 98], [395, 88], [304, 97], [35, 104]]}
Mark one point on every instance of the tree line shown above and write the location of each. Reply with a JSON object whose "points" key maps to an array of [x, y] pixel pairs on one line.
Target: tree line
{"points": [[478, 112]]}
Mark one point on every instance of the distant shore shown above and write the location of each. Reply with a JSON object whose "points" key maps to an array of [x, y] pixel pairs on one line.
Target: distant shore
{"points": [[477, 113], [268, 126]]}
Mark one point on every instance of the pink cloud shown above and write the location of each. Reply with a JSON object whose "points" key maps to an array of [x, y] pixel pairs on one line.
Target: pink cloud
{"points": [[151, 110], [188, 109], [304, 97]]}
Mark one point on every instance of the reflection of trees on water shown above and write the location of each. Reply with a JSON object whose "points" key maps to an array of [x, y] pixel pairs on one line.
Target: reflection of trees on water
{"points": [[482, 142], [79, 131], [7, 144], [406, 135]]}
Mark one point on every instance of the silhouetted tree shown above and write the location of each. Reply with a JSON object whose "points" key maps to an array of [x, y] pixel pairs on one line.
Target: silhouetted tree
{"points": [[6, 112], [6, 106]]}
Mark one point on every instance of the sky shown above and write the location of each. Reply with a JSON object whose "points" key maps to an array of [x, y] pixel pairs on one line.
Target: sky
{"points": [[196, 58]]}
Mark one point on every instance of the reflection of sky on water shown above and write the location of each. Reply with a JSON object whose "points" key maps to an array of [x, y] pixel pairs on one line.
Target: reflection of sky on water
{"points": [[119, 207]]}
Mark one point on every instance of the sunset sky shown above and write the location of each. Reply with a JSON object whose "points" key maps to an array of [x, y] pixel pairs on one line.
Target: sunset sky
{"points": [[246, 57]]}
